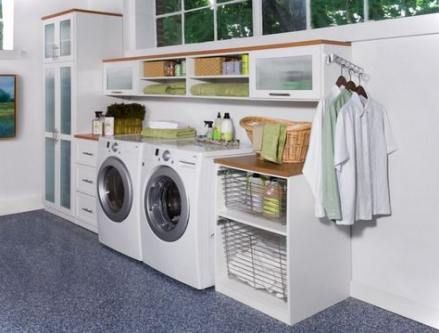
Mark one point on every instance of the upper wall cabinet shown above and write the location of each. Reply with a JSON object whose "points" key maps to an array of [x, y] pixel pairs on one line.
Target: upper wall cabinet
{"points": [[121, 78], [58, 41], [293, 73]]}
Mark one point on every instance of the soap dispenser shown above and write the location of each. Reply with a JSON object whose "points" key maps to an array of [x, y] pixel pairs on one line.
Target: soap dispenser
{"points": [[227, 128], [217, 128], [98, 123], [209, 131]]}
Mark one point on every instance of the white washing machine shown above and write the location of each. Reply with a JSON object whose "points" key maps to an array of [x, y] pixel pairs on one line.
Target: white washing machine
{"points": [[119, 192], [178, 209]]}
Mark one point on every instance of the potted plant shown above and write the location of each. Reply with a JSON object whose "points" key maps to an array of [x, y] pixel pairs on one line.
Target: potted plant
{"points": [[128, 118]]}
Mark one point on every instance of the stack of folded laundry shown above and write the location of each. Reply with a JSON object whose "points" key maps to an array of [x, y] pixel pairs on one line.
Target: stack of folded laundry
{"points": [[168, 130], [171, 88]]}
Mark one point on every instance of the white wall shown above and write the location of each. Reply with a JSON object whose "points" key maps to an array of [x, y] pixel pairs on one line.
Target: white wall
{"points": [[395, 262]]}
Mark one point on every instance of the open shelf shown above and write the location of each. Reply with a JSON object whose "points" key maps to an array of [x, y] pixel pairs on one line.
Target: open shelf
{"points": [[163, 78], [255, 221], [214, 77]]}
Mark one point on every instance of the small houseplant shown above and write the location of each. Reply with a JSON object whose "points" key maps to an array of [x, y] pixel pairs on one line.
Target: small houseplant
{"points": [[128, 118]]}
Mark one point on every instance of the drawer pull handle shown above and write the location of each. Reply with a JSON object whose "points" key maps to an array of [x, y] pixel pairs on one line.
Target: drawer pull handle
{"points": [[87, 210], [88, 181], [116, 92], [87, 153], [280, 94]]}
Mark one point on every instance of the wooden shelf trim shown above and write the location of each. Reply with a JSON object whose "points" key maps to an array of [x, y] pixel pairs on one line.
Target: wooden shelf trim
{"points": [[77, 10], [231, 50], [255, 164], [87, 136]]}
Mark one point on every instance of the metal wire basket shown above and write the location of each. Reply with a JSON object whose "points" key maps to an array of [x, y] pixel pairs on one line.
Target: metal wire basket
{"points": [[256, 257], [255, 194]]}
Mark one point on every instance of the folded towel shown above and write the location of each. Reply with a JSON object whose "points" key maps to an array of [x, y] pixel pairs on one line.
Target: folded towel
{"points": [[159, 89], [163, 124], [258, 133], [221, 89], [177, 133], [273, 142], [173, 88], [177, 85]]}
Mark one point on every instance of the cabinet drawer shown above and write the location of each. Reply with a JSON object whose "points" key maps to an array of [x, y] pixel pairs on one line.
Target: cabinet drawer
{"points": [[86, 152], [86, 179], [86, 208]]}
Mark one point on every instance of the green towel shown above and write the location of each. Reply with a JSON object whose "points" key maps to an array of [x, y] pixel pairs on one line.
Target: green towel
{"points": [[161, 133], [221, 89], [177, 85], [176, 91], [273, 142], [173, 88], [156, 89]]}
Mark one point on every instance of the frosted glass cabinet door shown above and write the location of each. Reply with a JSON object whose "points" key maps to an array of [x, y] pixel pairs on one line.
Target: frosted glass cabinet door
{"points": [[50, 170], [49, 40], [286, 73], [49, 82], [66, 99], [65, 38], [65, 172], [120, 78]]}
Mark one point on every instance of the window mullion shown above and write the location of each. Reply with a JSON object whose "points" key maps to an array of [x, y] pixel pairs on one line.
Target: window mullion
{"points": [[257, 18], [182, 23], [215, 22], [308, 15], [366, 10]]}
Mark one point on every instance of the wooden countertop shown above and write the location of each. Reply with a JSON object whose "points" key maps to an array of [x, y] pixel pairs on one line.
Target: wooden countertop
{"points": [[87, 136], [255, 164]]}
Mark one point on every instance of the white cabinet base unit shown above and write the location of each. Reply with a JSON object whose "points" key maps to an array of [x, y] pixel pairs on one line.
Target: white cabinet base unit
{"points": [[75, 41], [271, 253]]}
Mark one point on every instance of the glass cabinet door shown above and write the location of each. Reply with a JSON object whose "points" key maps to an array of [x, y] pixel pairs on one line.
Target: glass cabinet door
{"points": [[286, 73], [65, 174], [50, 170], [120, 77], [66, 99], [65, 38], [49, 83], [49, 40]]}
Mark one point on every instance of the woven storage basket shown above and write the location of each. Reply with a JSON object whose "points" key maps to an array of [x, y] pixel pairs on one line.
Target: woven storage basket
{"points": [[297, 141], [154, 68], [209, 66]]}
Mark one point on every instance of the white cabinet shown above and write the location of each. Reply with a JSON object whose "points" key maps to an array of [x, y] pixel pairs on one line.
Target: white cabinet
{"points": [[293, 73], [85, 187], [271, 253], [58, 42], [121, 78], [75, 42]]}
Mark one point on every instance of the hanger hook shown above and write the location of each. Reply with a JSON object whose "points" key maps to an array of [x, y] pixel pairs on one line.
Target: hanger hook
{"points": [[350, 74], [359, 77]]}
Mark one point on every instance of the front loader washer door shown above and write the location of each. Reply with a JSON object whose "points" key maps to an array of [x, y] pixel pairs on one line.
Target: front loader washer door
{"points": [[166, 204], [115, 190]]}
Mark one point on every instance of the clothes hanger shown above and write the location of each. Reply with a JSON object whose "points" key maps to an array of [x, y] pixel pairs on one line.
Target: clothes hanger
{"points": [[351, 84], [360, 89], [341, 81]]}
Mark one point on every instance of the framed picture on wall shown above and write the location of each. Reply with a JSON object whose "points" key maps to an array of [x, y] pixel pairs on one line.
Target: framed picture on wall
{"points": [[8, 106]]}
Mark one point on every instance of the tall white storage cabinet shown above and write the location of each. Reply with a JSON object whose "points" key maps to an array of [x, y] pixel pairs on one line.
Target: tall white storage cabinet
{"points": [[75, 42]]}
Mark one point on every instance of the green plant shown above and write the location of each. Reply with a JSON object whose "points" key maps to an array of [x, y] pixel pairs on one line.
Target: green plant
{"points": [[126, 111]]}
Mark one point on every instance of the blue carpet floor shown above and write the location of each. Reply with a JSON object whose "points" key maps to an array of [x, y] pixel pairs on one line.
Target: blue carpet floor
{"points": [[56, 277]]}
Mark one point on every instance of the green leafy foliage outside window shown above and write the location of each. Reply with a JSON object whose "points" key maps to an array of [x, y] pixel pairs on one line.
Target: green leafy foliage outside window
{"points": [[385, 9], [191, 4], [169, 30], [283, 16], [198, 26], [167, 6], [235, 20], [326, 13]]}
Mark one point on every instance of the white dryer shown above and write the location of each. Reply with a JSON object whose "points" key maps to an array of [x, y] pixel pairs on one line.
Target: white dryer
{"points": [[178, 202], [119, 192]]}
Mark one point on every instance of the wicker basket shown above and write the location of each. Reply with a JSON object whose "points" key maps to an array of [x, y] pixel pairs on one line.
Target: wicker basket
{"points": [[209, 66], [154, 68], [297, 141]]}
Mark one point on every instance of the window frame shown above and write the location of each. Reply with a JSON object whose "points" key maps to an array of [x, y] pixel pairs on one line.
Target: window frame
{"points": [[182, 12], [8, 26]]}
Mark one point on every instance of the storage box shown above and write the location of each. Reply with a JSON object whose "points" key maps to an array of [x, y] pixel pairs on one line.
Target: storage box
{"points": [[154, 68], [209, 66]]}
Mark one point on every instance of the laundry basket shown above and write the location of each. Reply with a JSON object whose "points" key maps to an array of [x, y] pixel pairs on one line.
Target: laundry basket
{"points": [[297, 140]]}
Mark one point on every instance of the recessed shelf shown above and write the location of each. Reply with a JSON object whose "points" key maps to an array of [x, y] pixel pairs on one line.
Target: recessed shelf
{"points": [[162, 78], [224, 76], [255, 221]]}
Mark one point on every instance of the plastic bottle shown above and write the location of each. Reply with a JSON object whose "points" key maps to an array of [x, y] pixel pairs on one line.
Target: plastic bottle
{"points": [[209, 132], [273, 199], [227, 128], [217, 128], [98, 123], [256, 193]]}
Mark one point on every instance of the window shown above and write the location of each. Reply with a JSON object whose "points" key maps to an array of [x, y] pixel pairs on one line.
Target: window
{"points": [[385, 9], [6, 24], [194, 21]]}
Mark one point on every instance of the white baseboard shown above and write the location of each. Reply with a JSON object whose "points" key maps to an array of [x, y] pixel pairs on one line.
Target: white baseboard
{"points": [[20, 205], [405, 307]]}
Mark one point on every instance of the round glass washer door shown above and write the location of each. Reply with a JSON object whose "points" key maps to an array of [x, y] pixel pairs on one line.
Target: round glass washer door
{"points": [[115, 190], [166, 204]]}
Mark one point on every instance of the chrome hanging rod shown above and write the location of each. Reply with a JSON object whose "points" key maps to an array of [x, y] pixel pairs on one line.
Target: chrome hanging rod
{"points": [[334, 58]]}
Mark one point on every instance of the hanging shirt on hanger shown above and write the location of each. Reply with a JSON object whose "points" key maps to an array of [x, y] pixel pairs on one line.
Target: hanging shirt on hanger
{"points": [[363, 141], [312, 169], [330, 194]]}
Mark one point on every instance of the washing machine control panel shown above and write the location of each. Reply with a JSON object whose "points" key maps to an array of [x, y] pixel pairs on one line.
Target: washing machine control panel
{"points": [[166, 156], [114, 147]]}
